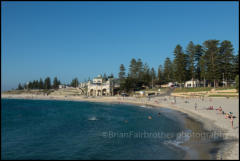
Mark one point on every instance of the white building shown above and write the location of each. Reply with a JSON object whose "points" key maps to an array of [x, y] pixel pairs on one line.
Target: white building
{"points": [[192, 83], [61, 86], [101, 87]]}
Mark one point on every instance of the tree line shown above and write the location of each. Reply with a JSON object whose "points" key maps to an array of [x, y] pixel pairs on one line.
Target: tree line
{"points": [[46, 84], [40, 84], [211, 63]]}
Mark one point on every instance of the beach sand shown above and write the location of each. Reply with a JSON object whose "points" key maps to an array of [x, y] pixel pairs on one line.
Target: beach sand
{"points": [[211, 120]]}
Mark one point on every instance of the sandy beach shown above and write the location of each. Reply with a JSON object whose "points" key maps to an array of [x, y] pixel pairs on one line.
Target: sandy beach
{"points": [[212, 120]]}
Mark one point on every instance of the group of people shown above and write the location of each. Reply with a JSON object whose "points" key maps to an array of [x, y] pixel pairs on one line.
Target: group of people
{"points": [[210, 108], [227, 115]]}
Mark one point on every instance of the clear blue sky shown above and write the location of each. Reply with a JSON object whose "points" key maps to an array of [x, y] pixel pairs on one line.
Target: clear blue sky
{"points": [[84, 39]]}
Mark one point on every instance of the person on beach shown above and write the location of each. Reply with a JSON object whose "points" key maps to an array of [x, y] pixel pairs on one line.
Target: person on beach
{"points": [[226, 115], [195, 106], [210, 108], [232, 121], [219, 109], [229, 115]]}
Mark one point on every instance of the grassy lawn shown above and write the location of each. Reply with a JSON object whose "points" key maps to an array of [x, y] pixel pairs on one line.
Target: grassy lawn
{"points": [[222, 96], [198, 89], [156, 89], [224, 88], [228, 92]]}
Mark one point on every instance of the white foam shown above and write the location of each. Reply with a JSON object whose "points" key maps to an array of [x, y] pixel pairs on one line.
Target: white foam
{"points": [[180, 139], [92, 118], [144, 106]]}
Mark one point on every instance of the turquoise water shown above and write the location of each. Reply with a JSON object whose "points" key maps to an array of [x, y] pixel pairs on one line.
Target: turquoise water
{"points": [[40, 129]]}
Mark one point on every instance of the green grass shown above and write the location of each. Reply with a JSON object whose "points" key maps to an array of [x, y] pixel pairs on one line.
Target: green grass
{"points": [[224, 88], [197, 89], [222, 96], [200, 89], [156, 89], [228, 92]]}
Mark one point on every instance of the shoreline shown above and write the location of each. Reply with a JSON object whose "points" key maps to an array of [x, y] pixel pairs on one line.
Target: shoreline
{"points": [[227, 151]]}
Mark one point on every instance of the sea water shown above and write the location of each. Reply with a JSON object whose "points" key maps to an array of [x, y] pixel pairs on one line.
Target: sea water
{"points": [[41, 129]]}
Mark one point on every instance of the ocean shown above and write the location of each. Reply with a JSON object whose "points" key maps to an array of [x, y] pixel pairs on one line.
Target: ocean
{"points": [[61, 130]]}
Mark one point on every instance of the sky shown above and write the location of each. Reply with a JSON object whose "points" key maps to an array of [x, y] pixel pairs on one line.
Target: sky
{"points": [[84, 39]]}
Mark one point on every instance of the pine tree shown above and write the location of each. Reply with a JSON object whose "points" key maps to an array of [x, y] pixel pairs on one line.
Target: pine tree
{"points": [[40, 84], [139, 69], [35, 84], [191, 59], [133, 68], [237, 82], [180, 63], [30, 85], [47, 83], [55, 83], [203, 69], [236, 65], [122, 74], [153, 77], [74, 82], [168, 72], [160, 77], [19, 87], [225, 61], [129, 84], [211, 55], [198, 53], [146, 75]]}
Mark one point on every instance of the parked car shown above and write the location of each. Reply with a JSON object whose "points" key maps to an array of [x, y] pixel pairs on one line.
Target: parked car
{"points": [[124, 94]]}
